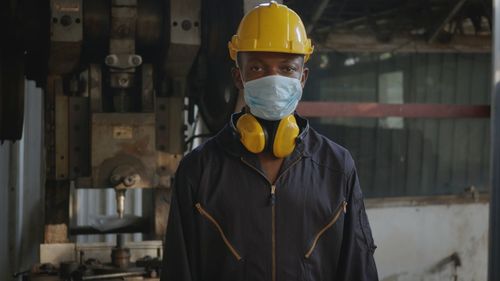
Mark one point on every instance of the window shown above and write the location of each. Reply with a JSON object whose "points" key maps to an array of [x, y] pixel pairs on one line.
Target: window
{"points": [[402, 156]]}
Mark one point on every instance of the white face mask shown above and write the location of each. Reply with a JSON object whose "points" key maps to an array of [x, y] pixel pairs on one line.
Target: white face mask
{"points": [[273, 97]]}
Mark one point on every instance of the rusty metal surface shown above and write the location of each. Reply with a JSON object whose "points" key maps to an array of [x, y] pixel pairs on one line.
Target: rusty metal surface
{"points": [[122, 59], [161, 124], [170, 124], [162, 208], [58, 130], [123, 25], [66, 20], [61, 136], [49, 104], [167, 165], [185, 37], [79, 137], [150, 17], [66, 252], [97, 28], [120, 140], [120, 257], [374, 110], [66, 35], [147, 89], [95, 87]]}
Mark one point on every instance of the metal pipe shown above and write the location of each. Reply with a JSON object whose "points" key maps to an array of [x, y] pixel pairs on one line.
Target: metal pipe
{"points": [[494, 242], [120, 202], [120, 240]]}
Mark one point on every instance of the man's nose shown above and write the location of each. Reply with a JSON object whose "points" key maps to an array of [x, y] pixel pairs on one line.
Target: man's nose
{"points": [[273, 70]]}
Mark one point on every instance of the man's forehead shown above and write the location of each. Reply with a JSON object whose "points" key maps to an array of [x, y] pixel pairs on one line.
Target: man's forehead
{"points": [[271, 57]]}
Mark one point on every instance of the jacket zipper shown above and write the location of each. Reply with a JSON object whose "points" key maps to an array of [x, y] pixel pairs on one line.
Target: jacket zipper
{"points": [[219, 228], [340, 209], [273, 230], [272, 200]]}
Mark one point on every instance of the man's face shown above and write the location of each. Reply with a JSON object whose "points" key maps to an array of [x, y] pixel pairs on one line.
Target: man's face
{"points": [[254, 65]]}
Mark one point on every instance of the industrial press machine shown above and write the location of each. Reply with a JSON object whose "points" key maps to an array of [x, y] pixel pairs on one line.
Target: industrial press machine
{"points": [[121, 80]]}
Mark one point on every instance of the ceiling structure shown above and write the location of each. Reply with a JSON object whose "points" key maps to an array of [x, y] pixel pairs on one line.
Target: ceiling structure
{"points": [[411, 25]]}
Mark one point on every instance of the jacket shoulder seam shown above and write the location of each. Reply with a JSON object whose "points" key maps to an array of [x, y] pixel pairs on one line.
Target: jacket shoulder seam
{"points": [[328, 167]]}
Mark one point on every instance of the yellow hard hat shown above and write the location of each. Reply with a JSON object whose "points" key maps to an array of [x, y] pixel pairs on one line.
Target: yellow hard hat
{"points": [[271, 27]]}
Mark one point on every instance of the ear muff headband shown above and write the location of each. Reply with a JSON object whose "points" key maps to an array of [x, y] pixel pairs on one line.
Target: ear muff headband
{"points": [[254, 137]]}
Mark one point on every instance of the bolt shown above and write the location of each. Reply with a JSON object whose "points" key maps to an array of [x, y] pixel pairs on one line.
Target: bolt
{"points": [[129, 181], [66, 20], [110, 60], [186, 25], [136, 60]]}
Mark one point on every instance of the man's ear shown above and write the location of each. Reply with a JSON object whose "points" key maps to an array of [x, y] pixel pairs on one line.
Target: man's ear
{"points": [[236, 74], [305, 73]]}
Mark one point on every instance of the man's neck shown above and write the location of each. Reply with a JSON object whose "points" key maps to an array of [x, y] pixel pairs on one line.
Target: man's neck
{"points": [[271, 165]]}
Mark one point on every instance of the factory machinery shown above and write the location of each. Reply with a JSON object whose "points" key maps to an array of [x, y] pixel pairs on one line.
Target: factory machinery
{"points": [[121, 80]]}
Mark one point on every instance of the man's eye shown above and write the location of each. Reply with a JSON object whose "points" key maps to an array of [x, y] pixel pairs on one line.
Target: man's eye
{"points": [[255, 68], [289, 69]]}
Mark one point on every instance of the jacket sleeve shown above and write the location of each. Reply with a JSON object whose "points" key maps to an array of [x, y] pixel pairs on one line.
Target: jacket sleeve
{"points": [[179, 258], [356, 262]]}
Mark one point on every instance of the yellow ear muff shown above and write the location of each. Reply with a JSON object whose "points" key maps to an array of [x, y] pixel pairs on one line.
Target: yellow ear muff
{"points": [[284, 140], [252, 134]]}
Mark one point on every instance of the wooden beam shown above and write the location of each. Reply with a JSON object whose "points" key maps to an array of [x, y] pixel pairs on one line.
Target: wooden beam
{"points": [[318, 12], [349, 42], [377, 110], [456, 8]]}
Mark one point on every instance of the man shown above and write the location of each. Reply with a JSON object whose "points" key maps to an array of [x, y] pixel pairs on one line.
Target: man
{"points": [[268, 198]]}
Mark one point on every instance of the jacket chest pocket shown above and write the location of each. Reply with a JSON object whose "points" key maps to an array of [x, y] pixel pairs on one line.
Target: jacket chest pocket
{"points": [[312, 269], [219, 229], [233, 270], [341, 209]]}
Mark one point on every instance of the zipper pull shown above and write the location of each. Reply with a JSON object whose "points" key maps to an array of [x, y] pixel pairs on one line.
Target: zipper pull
{"points": [[273, 194]]}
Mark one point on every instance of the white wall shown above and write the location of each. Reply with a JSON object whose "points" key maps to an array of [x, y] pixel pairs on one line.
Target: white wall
{"points": [[413, 240]]}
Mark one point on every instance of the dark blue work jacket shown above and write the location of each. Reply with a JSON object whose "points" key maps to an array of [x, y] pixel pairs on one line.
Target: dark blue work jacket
{"points": [[227, 222]]}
